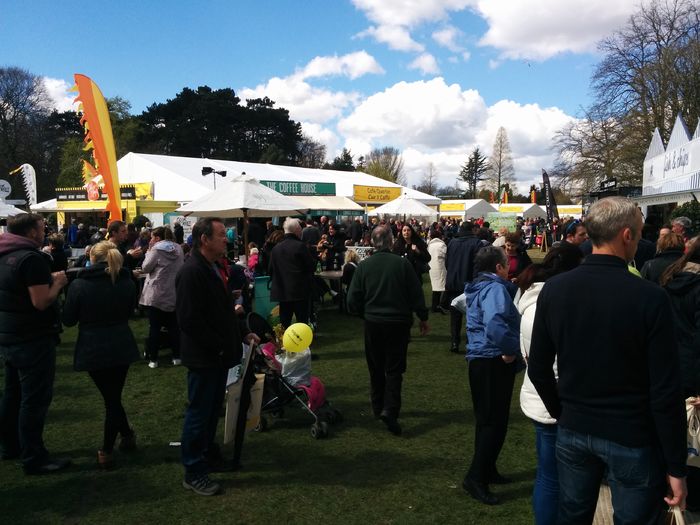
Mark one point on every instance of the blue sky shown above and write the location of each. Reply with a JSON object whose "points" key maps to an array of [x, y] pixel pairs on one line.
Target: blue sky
{"points": [[432, 77]]}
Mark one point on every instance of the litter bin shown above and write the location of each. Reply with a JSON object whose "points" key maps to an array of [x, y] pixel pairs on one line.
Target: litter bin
{"points": [[262, 304]]}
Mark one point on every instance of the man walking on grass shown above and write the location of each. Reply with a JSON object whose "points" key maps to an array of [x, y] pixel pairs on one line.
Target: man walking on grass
{"points": [[385, 292], [618, 400]]}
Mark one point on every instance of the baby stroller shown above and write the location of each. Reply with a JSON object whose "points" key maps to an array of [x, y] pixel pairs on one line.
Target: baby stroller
{"points": [[288, 380]]}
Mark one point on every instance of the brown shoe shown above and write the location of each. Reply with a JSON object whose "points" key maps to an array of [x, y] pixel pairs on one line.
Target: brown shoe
{"points": [[128, 443], [104, 460]]}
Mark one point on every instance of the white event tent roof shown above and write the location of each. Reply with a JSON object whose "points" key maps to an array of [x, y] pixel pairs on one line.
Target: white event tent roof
{"points": [[406, 206], [180, 178]]}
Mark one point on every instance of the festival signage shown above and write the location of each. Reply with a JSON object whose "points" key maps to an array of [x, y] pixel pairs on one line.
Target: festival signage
{"points": [[451, 206], [99, 139], [375, 194], [498, 220], [299, 188], [127, 192], [550, 203]]}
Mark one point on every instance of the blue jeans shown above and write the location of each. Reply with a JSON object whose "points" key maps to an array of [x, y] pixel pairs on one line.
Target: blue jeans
{"points": [[545, 497], [29, 374], [205, 391], [635, 475]]}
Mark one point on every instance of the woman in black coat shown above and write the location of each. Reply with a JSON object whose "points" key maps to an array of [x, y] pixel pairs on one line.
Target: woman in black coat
{"points": [[669, 248], [682, 282], [100, 301], [412, 246]]}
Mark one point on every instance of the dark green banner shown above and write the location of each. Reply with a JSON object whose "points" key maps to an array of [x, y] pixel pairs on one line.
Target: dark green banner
{"points": [[301, 188]]}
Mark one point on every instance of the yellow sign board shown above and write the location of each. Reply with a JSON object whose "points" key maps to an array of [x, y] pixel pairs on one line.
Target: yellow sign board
{"points": [[512, 208], [375, 193], [452, 206]]}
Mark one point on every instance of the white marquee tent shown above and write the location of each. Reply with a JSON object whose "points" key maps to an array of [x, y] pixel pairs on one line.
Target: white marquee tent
{"points": [[180, 178], [404, 206]]}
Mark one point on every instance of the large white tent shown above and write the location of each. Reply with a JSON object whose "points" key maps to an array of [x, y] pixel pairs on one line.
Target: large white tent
{"points": [[180, 178], [404, 206]]}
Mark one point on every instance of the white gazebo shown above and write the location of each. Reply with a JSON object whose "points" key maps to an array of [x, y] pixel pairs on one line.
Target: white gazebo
{"points": [[404, 206]]}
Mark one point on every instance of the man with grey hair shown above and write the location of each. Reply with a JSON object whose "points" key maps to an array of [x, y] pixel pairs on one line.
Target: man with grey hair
{"points": [[385, 291], [291, 272], [618, 400], [682, 226]]}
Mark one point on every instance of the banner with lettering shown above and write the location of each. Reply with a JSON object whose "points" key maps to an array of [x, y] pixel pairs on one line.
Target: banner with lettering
{"points": [[375, 194], [550, 203]]}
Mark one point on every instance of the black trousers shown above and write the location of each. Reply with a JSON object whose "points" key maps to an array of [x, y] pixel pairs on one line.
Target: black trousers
{"points": [[157, 319], [491, 382], [457, 326], [385, 350], [110, 383], [299, 309]]}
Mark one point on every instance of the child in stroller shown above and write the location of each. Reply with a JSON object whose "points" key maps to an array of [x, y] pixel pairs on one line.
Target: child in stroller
{"points": [[288, 380]]}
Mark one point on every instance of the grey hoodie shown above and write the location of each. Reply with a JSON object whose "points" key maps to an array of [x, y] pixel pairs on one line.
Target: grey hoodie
{"points": [[163, 260]]}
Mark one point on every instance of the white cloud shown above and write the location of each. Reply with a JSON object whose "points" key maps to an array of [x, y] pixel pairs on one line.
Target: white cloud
{"points": [[426, 64], [447, 37], [396, 37], [58, 91], [541, 29], [425, 113], [304, 102], [408, 13], [431, 121], [352, 65], [323, 135], [313, 104]]}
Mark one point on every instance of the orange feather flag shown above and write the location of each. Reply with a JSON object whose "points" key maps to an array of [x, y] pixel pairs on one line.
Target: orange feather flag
{"points": [[99, 138]]}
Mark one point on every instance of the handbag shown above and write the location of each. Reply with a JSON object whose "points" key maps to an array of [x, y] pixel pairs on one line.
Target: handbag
{"points": [[674, 516], [693, 433]]}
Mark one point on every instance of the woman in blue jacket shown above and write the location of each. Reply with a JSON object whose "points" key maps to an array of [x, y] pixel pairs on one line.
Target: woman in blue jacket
{"points": [[493, 335]]}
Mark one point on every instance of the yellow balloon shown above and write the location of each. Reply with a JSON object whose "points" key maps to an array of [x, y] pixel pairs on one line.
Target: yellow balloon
{"points": [[297, 337]]}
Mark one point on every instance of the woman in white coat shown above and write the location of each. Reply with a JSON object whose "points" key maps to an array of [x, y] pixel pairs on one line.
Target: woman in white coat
{"points": [[545, 496], [438, 273]]}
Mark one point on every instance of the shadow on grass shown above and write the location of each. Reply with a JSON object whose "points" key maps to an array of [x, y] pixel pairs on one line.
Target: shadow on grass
{"points": [[75, 497]]}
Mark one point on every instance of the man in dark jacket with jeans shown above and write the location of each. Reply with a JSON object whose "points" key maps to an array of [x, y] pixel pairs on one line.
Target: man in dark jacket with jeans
{"points": [[29, 328], [459, 263], [210, 344], [618, 400]]}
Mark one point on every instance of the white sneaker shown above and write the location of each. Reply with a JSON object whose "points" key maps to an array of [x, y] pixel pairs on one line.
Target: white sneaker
{"points": [[177, 362], [153, 364]]}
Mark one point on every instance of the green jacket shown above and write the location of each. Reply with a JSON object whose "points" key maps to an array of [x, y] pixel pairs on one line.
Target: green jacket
{"points": [[386, 289]]}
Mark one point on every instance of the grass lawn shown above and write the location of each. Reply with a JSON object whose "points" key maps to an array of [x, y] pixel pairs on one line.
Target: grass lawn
{"points": [[360, 474]]}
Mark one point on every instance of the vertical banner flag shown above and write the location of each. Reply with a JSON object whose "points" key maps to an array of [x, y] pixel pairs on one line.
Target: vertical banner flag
{"points": [[98, 138], [29, 180], [533, 194], [550, 203]]}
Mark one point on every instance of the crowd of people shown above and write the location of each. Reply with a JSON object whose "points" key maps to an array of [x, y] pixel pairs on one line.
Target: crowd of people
{"points": [[606, 326]]}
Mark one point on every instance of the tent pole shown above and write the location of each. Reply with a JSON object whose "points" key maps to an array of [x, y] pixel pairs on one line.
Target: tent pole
{"points": [[245, 233]]}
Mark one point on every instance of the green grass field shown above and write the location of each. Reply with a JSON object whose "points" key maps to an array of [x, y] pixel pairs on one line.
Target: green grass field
{"points": [[360, 474]]}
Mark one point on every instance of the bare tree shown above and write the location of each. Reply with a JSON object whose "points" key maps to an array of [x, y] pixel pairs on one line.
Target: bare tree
{"points": [[649, 72], [473, 171], [429, 182], [500, 170], [312, 154], [386, 163]]}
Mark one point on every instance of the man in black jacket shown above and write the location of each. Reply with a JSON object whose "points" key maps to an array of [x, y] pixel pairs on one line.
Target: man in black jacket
{"points": [[291, 270], [618, 400], [210, 344], [29, 328], [459, 263]]}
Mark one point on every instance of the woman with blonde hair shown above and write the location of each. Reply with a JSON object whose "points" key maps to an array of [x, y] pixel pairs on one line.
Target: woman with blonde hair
{"points": [[669, 248], [100, 301]]}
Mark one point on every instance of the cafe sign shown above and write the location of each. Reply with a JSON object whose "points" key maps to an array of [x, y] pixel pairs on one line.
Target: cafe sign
{"points": [[375, 194], [300, 188]]}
